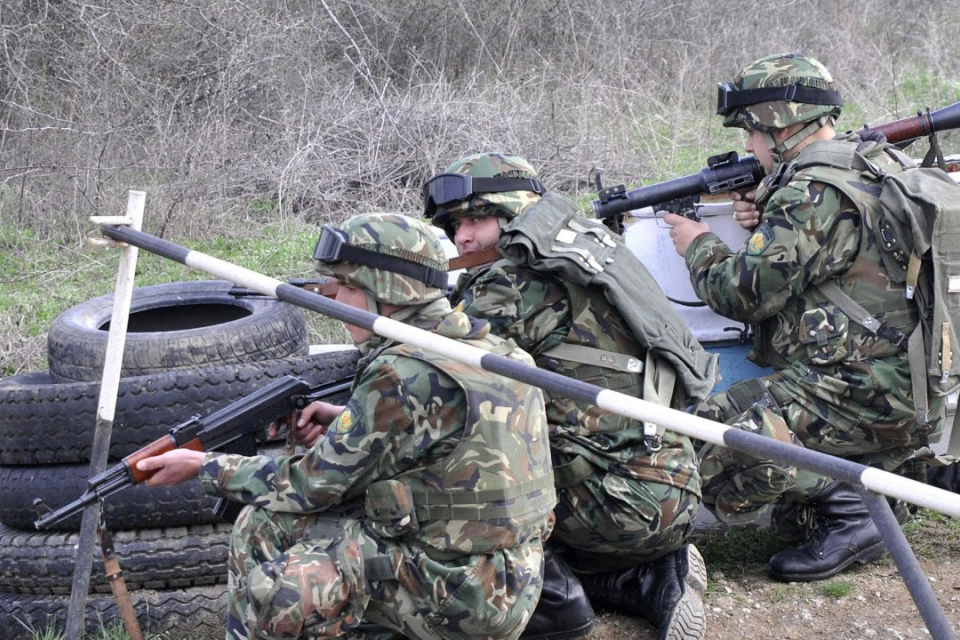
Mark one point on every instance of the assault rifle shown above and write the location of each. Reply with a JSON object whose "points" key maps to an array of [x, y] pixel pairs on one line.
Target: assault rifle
{"points": [[232, 428], [323, 286], [728, 172]]}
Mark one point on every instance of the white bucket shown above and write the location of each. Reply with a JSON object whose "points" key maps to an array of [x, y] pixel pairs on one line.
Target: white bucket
{"points": [[648, 237]]}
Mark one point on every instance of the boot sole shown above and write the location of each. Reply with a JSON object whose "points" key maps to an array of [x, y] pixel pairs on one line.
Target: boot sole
{"points": [[688, 621], [868, 555], [696, 577]]}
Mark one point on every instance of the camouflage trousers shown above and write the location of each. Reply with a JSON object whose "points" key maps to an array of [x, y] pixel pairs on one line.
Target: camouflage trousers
{"points": [[738, 487], [609, 522], [324, 576]]}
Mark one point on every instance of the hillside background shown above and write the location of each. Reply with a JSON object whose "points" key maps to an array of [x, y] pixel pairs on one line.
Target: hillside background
{"points": [[245, 120]]}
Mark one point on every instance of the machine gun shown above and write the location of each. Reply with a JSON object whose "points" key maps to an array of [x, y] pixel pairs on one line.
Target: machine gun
{"points": [[728, 172], [232, 428]]}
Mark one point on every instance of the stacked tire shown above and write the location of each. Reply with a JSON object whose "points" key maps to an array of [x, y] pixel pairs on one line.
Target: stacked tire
{"points": [[191, 349]]}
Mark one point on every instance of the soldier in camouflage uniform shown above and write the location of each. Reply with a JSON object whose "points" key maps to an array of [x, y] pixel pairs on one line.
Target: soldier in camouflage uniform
{"points": [[626, 504], [420, 512], [837, 388]]}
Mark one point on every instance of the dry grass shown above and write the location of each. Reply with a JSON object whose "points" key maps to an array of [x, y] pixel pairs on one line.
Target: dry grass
{"points": [[236, 117]]}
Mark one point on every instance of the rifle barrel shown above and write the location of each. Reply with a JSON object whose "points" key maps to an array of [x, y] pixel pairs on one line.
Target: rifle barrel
{"points": [[737, 175], [922, 124]]}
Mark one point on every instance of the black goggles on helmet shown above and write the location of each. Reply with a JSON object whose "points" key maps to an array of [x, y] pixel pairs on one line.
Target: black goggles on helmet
{"points": [[332, 247], [730, 97], [444, 189]]}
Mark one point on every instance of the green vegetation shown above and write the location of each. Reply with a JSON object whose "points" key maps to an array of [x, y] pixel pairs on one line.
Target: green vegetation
{"points": [[837, 588], [39, 281], [737, 551]]}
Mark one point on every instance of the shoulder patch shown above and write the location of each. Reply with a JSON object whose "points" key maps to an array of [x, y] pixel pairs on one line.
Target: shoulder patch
{"points": [[760, 240], [352, 414]]}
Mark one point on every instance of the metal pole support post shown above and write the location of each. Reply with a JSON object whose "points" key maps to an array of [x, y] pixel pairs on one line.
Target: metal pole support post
{"points": [[105, 412], [910, 570]]}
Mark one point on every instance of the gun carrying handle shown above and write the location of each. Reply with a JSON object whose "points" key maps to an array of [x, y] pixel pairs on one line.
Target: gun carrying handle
{"points": [[155, 448]]}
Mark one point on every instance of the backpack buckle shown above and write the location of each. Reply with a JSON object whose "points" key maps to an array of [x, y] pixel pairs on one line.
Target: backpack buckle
{"points": [[894, 335]]}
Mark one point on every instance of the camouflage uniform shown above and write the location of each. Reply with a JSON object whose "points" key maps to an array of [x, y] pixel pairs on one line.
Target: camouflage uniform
{"points": [[420, 512], [842, 390], [624, 513], [628, 506], [838, 388]]}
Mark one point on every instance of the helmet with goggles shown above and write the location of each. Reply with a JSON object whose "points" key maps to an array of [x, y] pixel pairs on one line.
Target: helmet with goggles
{"points": [[485, 184], [778, 91], [394, 258]]}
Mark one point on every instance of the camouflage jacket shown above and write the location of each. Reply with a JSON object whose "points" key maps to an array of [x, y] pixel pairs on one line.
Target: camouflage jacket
{"points": [[419, 430], [539, 311], [810, 233]]}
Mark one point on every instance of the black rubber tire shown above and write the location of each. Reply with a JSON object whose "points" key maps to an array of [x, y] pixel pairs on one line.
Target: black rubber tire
{"points": [[136, 507], [43, 563], [197, 612], [42, 422], [180, 325]]}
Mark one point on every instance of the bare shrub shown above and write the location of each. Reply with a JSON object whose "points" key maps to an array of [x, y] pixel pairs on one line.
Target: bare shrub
{"points": [[230, 114]]}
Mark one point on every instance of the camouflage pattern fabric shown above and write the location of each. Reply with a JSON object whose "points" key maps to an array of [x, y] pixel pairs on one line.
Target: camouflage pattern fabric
{"points": [[314, 558], [841, 390], [781, 70], [302, 575], [630, 507], [392, 235], [505, 205]]}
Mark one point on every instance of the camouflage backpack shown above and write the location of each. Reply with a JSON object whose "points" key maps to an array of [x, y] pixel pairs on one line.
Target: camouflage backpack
{"points": [[916, 222]]}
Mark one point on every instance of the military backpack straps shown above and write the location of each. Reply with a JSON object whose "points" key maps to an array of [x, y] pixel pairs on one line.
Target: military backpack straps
{"points": [[916, 223], [550, 237]]}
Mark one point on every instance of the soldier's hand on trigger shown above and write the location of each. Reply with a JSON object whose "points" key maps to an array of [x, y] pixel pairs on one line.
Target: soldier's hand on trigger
{"points": [[683, 231], [313, 421], [744, 210]]}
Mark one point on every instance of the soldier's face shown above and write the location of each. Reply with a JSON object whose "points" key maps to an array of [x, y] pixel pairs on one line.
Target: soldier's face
{"points": [[475, 233], [757, 145], [355, 298]]}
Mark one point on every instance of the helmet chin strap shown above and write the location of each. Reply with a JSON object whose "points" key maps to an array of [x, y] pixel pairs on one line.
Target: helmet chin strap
{"points": [[375, 339], [779, 149]]}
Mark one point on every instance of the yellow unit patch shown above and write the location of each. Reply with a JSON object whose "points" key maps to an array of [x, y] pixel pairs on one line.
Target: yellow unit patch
{"points": [[345, 422]]}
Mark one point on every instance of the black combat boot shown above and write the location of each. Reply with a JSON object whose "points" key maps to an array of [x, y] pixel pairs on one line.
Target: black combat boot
{"points": [[843, 533], [945, 477], [665, 592], [563, 611]]}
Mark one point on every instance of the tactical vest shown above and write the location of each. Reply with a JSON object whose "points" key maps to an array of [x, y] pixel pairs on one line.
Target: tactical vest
{"points": [[550, 237], [824, 326], [494, 490], [620, 339]]}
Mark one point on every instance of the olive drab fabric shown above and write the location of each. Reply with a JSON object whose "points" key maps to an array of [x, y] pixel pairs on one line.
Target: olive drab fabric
{"points": [[552, 238], [841, 389], [916, 221], [620, 503]]}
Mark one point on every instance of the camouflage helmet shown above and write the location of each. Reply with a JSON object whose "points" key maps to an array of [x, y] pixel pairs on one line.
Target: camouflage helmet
{"points": [[497, 184], [778, 91], [394, 258]]}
